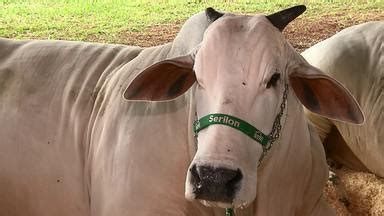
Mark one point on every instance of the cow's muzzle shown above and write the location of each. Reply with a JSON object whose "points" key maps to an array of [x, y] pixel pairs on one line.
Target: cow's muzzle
{"points": [[215, 184]]}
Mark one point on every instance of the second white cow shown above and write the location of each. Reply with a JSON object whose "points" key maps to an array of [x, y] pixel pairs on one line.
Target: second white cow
{"points": [[355, 57]]}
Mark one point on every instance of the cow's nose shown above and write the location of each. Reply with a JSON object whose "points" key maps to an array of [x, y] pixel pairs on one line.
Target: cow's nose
{"points": [[215, 184]]}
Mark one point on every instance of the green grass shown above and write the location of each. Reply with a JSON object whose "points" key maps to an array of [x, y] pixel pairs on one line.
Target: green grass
{"points": [[80, 20]]}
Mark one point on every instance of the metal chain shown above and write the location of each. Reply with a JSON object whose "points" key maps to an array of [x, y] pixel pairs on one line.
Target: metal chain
{"points": [[276, 128]]}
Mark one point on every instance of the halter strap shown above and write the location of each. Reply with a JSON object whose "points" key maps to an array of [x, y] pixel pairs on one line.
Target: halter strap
{"points": [[231, 121], [265, 140]]}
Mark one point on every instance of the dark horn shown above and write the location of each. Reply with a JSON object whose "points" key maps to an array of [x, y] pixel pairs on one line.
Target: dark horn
{"points": [[212, 14], [282, 18]]}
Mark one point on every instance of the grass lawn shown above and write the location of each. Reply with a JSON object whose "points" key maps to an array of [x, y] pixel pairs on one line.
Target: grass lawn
{"points": [[108, 20]]}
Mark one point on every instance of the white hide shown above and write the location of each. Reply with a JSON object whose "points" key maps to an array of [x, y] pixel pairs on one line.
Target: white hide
{"points": [[355, 57]]}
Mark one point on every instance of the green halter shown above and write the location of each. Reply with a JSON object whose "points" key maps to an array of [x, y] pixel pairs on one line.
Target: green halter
{"points": [[229, 212], [231, 121]]}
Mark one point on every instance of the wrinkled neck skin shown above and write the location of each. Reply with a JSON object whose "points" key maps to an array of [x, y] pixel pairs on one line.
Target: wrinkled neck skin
{"points": [[292, 170], [139, 156]]}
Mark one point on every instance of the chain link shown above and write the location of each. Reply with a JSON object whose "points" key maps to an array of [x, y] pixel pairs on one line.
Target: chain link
{"points": [[276, 128]]}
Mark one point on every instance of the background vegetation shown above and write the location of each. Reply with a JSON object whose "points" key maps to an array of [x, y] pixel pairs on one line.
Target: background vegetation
{"points": [[109, 20]]}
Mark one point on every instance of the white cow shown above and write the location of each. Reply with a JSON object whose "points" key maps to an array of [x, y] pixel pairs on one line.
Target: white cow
{"points": [[80, 136], [355, 57]]}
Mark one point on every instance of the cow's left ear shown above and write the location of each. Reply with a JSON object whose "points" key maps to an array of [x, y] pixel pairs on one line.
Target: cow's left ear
{"points": [[324, 95], [162, 81]]}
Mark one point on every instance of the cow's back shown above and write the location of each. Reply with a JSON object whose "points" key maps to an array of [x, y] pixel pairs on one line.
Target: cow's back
{"points": [[355, 57], [47, 93]]}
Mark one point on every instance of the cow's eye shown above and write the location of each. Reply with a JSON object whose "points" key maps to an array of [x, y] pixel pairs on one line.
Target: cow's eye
{"points": [[273, 81]]}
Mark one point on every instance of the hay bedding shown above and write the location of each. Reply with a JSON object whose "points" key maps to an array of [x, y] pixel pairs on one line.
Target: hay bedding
{"points": [[365, 193]]}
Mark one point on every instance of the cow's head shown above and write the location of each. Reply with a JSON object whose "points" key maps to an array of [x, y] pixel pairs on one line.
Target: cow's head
{"points": [[242, 69]]}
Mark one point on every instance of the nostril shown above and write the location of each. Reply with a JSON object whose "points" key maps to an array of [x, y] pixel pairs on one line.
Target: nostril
{"points": [[216, 175], [195, 176], [193, 170], [235, 178], [231, 176]]}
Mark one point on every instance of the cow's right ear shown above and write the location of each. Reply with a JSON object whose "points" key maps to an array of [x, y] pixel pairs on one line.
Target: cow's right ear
{"points": [[165, 80], [324, 95]]}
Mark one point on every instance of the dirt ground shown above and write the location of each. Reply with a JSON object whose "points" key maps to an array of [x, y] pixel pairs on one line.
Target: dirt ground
{"points": [[301, 33], [365, 192]]}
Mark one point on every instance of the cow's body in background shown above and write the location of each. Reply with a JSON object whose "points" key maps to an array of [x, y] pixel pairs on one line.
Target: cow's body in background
{"points": [[355, 57]]}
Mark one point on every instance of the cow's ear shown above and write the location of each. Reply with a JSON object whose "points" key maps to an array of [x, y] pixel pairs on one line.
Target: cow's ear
{"points": [[162, 81], [324, 95]]}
